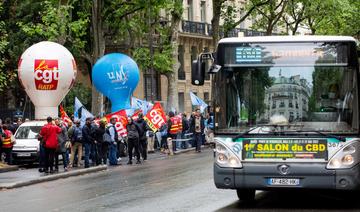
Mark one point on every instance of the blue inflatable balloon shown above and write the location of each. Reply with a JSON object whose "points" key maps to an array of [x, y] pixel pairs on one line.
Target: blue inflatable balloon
{"points": [[116, 76]]}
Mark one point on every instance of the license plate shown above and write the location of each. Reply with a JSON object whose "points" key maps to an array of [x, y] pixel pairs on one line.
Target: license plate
{"points": [[283, 182], [23, 154]]}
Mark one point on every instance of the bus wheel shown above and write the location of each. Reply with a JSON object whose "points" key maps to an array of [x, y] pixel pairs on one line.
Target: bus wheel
{"points": [[246, 194]]}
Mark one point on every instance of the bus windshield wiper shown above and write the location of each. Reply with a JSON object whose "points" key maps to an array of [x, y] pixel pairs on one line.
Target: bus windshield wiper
{"points": [[241, 135], [340, 138]]}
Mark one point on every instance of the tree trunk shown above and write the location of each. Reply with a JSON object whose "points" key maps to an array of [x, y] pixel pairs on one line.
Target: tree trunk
{"points": [[215, 21], [269, 29], [98, 51], [172, 96]]}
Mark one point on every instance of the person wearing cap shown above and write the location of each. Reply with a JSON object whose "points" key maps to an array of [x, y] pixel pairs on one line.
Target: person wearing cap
{"points": [[75, 133], [49, 134]]}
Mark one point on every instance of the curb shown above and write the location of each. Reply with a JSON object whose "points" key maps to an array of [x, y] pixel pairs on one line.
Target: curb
{"points": [[184, 150], [9, 169], [53, 177], [190, 149]]}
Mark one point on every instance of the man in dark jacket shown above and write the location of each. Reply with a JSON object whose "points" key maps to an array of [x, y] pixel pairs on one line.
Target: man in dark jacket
{"points": [[102, 146], [88, 141], [142, 136], [133, 140], [62, 139], [197, 126]]}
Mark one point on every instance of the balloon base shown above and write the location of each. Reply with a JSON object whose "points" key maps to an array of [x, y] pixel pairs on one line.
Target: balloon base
{"points": [[44, 112]]}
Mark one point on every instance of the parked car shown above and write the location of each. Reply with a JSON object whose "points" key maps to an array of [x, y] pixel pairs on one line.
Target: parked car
{"points": [[26, 149]]}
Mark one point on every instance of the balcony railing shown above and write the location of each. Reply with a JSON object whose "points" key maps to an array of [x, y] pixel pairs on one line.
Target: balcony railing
{"points": [[201, 28], [193, 27]]}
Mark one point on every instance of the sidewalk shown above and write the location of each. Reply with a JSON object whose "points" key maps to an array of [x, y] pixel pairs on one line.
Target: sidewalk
{"points": [[6, 168], [15, 179]]}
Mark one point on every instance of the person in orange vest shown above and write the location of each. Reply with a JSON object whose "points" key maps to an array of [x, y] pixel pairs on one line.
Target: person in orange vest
{"points": [[7, 144], [174, 128], [180, 128]]}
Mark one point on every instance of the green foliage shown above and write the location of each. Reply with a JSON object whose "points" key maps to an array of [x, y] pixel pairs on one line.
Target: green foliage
{"points": [[162, 60], [4, 75], [268, 16], [322, 80], [340, 17], [59, 25], [82, 92], [160, 26], [228, 14]]}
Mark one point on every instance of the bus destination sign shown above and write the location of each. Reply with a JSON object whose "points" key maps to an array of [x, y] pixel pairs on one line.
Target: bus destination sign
{"points": [[248, 54]]}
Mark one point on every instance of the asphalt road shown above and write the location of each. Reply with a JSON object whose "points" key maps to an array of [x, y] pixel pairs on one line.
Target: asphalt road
{"points": [[178, 183]]}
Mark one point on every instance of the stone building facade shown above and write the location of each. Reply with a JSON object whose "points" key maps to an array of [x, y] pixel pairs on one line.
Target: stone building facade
{"points": [[288, 97], [194, 37]]}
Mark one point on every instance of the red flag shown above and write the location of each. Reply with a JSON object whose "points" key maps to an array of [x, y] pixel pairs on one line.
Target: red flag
{"points": [[135, 116], [121, 121], [156, 117], [66, 119]]}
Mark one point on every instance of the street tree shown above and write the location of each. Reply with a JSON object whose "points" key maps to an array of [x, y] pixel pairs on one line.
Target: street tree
{"points": [[4, 74], [230, 11], [268, 16], [335, 17], [165, 19], [295, 15]]}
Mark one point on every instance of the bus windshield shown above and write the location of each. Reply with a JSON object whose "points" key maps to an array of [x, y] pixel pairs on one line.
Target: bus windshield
{"points": [[310, 87]]}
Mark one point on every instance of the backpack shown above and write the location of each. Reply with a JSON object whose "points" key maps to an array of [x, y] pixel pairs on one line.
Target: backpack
{"points": [[107, 136], [77, 136]]}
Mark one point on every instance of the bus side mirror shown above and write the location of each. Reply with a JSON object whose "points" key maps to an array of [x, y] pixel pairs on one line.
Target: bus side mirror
{"points": [[197, 72]]}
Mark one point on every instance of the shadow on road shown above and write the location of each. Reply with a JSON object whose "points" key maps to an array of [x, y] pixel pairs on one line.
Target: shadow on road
{"points": [[299, 201]]}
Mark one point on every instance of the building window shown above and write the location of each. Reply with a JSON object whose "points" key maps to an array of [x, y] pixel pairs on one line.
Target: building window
{"points": [[181, 71], [152, 90], [190, 10], [273, 105], [203, 11], [194, 53], [181, 101], [291, 117], [282, 104], [207, 97], [291, 104]]}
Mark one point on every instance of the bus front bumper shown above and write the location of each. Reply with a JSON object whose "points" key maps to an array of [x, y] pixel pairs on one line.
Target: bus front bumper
{"points": [[311, 176]]}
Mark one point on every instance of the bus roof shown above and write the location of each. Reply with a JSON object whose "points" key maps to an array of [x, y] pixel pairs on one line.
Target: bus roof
{"points": [[280, 39]]}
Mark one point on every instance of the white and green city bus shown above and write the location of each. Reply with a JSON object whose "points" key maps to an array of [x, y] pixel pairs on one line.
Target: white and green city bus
{"points": [[286, 112]]}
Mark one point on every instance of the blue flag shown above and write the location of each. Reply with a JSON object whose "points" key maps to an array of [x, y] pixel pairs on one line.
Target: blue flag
{"points": [[195, 100], [141, 104], [84, 115], [77, 109]]}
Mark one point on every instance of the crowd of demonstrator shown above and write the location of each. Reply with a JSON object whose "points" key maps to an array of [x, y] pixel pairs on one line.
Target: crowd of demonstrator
{"points": [[7, 139], [100, 144]]}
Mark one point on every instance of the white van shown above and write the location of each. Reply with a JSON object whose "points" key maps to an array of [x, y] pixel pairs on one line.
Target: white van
{"points": [[26, 149]]}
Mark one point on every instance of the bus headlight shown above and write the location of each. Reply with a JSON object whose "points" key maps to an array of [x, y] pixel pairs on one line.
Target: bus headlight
{"points": [[346, 157], [224, 157]]}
